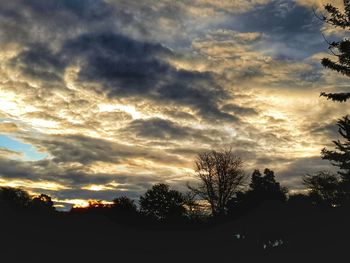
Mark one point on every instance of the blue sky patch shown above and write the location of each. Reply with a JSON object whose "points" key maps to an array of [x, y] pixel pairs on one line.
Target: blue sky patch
{"points": [[29, 151]]}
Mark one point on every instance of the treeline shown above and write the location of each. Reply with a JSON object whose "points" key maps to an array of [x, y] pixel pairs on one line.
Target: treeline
{"points": [[202, 203], [260, 219]]}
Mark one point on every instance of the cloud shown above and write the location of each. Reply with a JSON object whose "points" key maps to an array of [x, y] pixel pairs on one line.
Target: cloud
{"points": [[37, 61], [158, 129], [83, 150], [320, 3], [292, 174], [131, 68], [120, 66], [166, 130], [123, 94], [238, 110], [8, 127], [6, 153]]}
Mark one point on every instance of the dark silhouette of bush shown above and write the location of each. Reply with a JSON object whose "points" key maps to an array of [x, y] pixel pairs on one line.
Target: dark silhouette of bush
{"points": [[324, 188], [42, 203], [161, 203], [14, 198], [124, 204]]}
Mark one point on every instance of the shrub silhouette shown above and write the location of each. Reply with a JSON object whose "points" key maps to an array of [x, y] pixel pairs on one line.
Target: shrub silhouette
{"points": [[42, 202], [14, 198], [124, 204], [324, 188]]}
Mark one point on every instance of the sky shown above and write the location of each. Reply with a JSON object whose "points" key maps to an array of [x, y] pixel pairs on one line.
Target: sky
{"points": [[102, 98]]}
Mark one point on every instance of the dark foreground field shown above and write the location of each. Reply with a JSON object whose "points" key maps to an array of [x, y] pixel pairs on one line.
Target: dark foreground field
{"points": [[276, 236]]}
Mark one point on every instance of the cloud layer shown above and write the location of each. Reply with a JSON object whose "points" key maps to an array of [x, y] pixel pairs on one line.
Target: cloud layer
{"points": [[118, 95]]}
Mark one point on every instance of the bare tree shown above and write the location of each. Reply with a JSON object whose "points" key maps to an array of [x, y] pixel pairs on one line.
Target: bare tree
{"points": [[221, 176]]}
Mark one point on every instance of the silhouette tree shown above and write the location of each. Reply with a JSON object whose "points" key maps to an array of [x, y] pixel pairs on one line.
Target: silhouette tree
{"points": [[261, 188], [194, 209], [162, 203], [14, 198], [340, 49], [42, 202], [265, 187], [124, 204], [341, 156], [324, 188], [221, 176]]}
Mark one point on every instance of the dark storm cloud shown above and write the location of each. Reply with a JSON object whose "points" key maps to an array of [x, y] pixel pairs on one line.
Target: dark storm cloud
{"points": [[77, 148], [86, 10], [127, 67], [239, 110], [47, 170], [288, 26], [123, 66], [37, 171], [37, 61], [119, 65], [14, 169], [181, 115], [87, 150], [30, 21], [157, 128], [73, 181]]}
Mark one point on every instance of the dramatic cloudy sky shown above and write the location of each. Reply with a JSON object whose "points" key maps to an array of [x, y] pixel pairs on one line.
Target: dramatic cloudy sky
{"points": [[100, 98]]}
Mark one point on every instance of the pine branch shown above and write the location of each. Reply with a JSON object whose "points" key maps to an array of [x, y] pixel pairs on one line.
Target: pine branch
{"points": [[339, 97]]}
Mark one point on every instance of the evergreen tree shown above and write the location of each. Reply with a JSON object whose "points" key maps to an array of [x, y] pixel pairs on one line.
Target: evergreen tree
{"points": [[340, 157], [340, 49], [160, 202], [262, 188], [265, 187]]}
